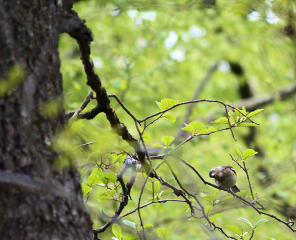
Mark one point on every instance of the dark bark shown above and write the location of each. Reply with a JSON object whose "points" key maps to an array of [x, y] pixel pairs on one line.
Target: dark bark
{"points": [[37, 200]]}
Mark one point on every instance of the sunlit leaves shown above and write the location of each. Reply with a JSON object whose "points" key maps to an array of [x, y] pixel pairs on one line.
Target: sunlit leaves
{"points": [[166, 192], [212, 198], [106, 196], [194, 127], [208, 209], [248, 153], [215, 216], [164, 233], [153, 186], [239, 118], [243, 193], [238, 152], [225, 199], [93, 178], [85, 189], [171, 118], [157, 145], [129, 223], [246, 222], [167, 140], [262, 200], [131, 237], [166, 103], [260, 222], [221, 120], [116, 230], [234, 228], [254, 112]]}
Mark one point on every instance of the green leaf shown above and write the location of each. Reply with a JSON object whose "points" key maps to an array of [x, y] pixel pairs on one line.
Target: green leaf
{"points": [[197, 125], [157, 145], [96, 171], [221, 120], [250, 194], [262, 200], [171, 118], [270, 238], [148, 186], [166, 103], [103, 197], [129, 223], [111, 176], [234, 228], [85, 189], [166, 192], [116, 229], [215, 195], [157, 186], [238, 152], [215, 216], [167, 140], [207, 198], [246, 222], [208, 209], [120, 159], [110, 193], [92, 179], [232, 117], [131, 237], [225, 198], [163, 233], [148, 225], [243, 193], [244, 124], [112, 156], [207, 130], [147, 136], [189, 129], [248, 153], [260, 222], [211, 197], [254, 112], [238, 112]]}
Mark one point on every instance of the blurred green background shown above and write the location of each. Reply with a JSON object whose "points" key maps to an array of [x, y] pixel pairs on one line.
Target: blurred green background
{"points": [[145, 51]]}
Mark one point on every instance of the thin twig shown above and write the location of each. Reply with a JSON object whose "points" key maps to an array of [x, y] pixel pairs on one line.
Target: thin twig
{"points": [[83, 106], [149, 203]]}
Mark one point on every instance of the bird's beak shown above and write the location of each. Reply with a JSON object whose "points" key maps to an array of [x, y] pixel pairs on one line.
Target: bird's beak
{"points": [[212, 173]]}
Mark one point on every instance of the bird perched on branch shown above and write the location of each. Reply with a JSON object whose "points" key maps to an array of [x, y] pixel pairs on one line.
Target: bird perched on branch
{"points": [[225, 176]]}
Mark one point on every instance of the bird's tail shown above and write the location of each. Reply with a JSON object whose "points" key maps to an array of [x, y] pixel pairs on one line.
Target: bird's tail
{"points": [[235, 189]]}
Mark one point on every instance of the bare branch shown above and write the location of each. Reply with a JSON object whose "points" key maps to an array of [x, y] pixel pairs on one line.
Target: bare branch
{"points": [[259, 101], [83, 105]]}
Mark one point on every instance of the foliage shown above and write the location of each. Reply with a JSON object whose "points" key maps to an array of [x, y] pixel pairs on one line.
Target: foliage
{"points": [[156, 52]]}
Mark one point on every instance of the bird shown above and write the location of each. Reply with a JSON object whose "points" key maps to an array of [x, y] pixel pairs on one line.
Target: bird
{"points": [[225, 176]]}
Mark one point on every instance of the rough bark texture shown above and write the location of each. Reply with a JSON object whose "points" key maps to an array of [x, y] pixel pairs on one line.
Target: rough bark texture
{"points": [[37, 201]]}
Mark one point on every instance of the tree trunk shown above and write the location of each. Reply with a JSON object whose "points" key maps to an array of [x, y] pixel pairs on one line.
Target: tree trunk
{"points": [[37, 200]]}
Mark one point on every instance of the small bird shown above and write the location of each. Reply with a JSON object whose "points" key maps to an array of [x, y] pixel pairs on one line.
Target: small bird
{"points": [[225, 176]]}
